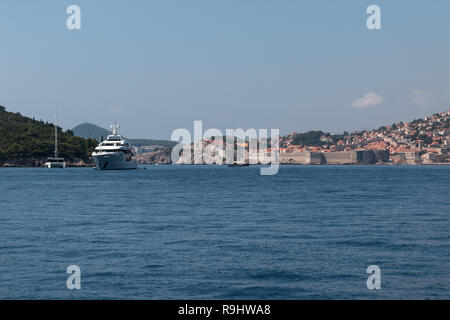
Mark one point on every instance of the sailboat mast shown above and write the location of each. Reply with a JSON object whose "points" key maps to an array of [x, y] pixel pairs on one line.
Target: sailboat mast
{"points": [[56, 136]]}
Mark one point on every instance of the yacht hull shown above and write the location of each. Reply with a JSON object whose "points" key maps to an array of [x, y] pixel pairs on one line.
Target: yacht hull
{"points": [[55, 164], [114, 162]]}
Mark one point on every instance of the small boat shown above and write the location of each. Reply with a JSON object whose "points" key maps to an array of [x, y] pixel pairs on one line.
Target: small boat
{"points": [[237, 164], [55, 162]]}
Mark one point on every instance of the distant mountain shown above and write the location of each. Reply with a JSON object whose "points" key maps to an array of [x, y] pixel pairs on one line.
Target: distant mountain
{"points": [[151, 142], [26, 141], [88, 130]]}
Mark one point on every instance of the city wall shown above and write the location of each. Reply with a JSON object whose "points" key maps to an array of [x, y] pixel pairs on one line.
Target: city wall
{"points": [[344, 157]]}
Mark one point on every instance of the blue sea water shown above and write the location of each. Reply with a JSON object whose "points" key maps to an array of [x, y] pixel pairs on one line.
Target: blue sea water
{"points": [[210, 232]]}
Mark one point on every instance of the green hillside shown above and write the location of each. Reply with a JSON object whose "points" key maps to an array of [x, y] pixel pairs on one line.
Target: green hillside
{"points": [[22, 138], [88, 130], [310, 138]]}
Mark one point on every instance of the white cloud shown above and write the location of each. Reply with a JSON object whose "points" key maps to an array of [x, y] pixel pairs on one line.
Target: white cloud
{"points": [[421, 99], [369, 100], [115, 110]]}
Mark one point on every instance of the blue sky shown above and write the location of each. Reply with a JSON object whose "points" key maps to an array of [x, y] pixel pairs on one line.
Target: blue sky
{"points": [[154, 66]]}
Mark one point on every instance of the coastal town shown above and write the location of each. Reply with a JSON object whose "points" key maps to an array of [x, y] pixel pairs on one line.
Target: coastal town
{"points": [[422, 141]]}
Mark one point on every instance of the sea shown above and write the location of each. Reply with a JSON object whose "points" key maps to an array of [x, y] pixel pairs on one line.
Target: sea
{"points": [[215, 232]]}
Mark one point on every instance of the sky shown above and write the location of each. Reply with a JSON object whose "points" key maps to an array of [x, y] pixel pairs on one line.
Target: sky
{"points": [[155, 66]]}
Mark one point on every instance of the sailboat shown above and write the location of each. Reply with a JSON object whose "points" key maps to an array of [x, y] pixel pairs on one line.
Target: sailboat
{"points": [[55, 162]]}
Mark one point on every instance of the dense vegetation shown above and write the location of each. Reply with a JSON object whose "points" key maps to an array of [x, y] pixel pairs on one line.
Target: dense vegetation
{"points": [[310, 138], [22, 137]]}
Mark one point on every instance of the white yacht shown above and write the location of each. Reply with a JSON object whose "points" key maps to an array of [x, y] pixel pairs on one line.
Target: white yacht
{"points": [[115, 153]]}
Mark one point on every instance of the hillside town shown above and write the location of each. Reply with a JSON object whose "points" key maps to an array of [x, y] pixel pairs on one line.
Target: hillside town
{"points": [[422, 141]]}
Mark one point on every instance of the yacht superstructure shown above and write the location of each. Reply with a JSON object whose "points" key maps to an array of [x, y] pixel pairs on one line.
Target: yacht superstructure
{"points": [[114, 153]]}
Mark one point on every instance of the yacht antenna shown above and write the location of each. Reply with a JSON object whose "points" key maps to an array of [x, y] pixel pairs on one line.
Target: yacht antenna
{"points": [[114, 128]]}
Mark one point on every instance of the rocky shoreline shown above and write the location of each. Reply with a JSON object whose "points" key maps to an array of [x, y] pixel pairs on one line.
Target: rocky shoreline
{"points": [[156, 157], [40, 162], [162, 157]]}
